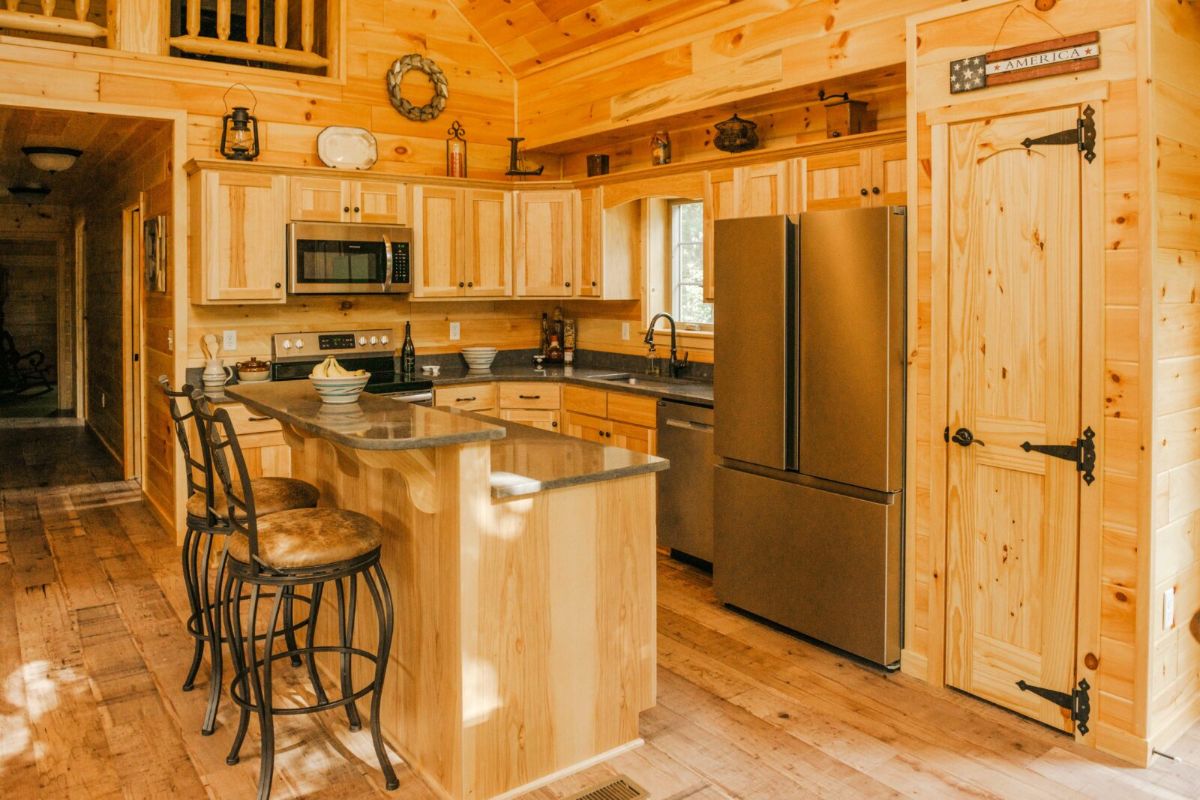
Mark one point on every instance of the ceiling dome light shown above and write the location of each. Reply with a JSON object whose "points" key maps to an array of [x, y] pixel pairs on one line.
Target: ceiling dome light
{"points": [[52, 159], [29, 193]]}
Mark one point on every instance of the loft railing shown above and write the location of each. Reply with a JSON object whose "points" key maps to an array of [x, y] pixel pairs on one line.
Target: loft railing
{"points": [[293, 33], [43, 19]]}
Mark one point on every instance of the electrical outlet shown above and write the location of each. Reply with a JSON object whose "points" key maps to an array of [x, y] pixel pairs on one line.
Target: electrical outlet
{"points": [[170, 340], [1169, 609], [455, 331], [228, 340], [625, 331]]}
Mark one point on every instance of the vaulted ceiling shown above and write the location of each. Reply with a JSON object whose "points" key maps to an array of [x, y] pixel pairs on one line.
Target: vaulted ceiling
{"points": [[529, 34], [99, 136]]}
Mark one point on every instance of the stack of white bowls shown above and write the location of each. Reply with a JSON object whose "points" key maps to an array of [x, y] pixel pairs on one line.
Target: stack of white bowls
{"points": [[479, 359]]}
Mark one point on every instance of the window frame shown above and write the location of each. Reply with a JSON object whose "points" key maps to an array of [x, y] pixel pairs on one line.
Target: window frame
{"points": [[674, 246]]}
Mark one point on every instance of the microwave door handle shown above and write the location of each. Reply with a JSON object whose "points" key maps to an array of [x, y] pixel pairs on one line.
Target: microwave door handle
{"points": [[387, 268]]}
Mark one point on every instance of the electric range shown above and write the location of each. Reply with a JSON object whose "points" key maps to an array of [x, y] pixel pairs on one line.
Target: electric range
{"points": [[295, 355]]}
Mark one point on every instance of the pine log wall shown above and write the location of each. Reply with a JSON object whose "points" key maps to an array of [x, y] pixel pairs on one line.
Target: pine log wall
{"points": [[1175, 111], [1119, 697]]}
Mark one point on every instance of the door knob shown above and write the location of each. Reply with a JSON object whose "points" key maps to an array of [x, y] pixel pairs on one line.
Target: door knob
{"points": [[964, 438]]}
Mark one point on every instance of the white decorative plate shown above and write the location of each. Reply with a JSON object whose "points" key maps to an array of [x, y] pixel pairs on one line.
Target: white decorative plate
{"points": [[347, 148]]}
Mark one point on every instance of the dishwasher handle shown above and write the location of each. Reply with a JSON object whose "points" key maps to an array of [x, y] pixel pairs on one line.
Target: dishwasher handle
{"points": [[690, 425]]}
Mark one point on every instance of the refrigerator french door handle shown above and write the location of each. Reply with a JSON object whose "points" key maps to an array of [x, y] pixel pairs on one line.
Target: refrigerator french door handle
{"points": [[688, 424]]}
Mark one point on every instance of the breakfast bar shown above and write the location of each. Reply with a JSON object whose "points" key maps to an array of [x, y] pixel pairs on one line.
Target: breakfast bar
{"points": [[522, 566]]}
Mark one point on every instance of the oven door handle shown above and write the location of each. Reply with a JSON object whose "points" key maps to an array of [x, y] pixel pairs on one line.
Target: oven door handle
{"points": [[387, 266], [414, 397]]}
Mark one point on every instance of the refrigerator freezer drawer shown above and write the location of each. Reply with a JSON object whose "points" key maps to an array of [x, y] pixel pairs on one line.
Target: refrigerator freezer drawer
{"points": [[823, 564]]}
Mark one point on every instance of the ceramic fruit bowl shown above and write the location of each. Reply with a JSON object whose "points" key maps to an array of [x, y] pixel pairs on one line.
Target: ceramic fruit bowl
{"points": [[479, 358], [341, 390]]}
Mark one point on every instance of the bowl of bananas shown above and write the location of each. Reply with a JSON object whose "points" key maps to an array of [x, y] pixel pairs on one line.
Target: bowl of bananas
{"points": [[337, 385]]}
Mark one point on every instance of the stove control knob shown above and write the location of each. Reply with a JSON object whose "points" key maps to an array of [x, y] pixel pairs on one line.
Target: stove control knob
{"points": [[287, 344], [383, 340], [374, 340], [362, 340], [299, 344]]}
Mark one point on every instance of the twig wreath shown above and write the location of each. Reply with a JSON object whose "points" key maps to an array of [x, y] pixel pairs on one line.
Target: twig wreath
{"points": [[436, 104]]}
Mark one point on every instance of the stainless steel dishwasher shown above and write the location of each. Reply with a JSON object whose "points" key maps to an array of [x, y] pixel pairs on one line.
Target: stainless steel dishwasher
{"points": [[685, 491]]}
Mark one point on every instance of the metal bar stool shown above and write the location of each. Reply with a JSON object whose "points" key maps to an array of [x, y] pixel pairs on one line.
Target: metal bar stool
{"points": [[301, 547], [205, 519]]}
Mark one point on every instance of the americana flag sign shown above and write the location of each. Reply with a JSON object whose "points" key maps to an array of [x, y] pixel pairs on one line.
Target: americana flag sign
{"points": [[1027, 62]]}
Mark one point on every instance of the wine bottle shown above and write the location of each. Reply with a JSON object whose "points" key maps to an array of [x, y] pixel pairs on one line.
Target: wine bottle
{"points": [[408, 355]]}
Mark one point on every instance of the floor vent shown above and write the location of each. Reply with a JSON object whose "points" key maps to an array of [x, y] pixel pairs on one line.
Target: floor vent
{"points": [[618, 788]]}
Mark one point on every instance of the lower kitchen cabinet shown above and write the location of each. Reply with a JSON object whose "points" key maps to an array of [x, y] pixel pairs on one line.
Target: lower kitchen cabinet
{"points": [[479, 397], [261, 440], [591, 429], [533, 417]]}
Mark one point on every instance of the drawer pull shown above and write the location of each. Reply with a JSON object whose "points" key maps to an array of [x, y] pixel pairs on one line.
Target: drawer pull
{"points": [[464, 399], [530, 396], [259, 419]]}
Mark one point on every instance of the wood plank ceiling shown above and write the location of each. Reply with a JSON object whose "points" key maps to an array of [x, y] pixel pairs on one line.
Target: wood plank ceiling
{"points": [[530, 34], [99, 136]]}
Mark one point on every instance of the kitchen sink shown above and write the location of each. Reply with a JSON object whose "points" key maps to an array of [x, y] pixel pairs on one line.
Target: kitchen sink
{"points": [[644, 381]]}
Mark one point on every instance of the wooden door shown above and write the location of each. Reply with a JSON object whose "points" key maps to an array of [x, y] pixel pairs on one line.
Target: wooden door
{"points": [[438, 242], [837, 180], [589, 275], [634, 437], [592, 429], [889, 184], [1012, 517], [379, 202], [320, 200], [546, 243], [763, 190], [489, 243], [547, 420], [243, 223]]}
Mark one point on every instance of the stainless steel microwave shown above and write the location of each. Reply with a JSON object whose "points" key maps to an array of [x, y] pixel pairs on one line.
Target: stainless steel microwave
{"points": [[348, 258]]}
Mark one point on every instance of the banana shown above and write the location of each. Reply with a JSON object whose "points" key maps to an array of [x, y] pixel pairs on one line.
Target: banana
{"points": [[330, 368]]}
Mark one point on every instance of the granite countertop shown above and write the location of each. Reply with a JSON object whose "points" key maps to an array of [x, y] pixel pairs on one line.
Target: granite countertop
{"points": [[373, 423], [696, 392], [525, 460]]}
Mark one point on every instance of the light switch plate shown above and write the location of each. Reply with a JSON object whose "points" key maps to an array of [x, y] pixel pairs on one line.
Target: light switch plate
{"points": [[455, 331], [625, 331], [1169, 609], [229, 340]]}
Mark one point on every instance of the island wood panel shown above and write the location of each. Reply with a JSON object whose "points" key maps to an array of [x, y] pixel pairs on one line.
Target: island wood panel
{"points": [[1107, 625], [535, 614], [1175, 561], [293, 109], [728, 55]]}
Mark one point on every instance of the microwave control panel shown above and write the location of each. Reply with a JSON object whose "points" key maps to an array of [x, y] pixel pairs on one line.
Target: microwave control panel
{"points": [[401, 270]]}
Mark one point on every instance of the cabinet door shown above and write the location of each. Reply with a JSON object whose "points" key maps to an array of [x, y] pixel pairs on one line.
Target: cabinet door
{"points": [[379, 202], [589, 277], [438, 242], [242, 233], [489, 243], [546, 243], [592, 429], [763, 190], [470, 397], [320, 200], [634, 437], [535, 418], [889, 177], [718, 204], [838, 180]]}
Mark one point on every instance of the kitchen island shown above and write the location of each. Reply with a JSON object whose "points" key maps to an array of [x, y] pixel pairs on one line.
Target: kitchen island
{"points": [[522, 568]]}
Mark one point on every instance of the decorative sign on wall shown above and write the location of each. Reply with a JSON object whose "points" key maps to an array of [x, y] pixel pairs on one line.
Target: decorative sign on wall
{"points": [[1029, 61]]}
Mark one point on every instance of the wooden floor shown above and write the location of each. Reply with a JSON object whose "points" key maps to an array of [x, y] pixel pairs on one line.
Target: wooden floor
{"points": [[92, 654]]}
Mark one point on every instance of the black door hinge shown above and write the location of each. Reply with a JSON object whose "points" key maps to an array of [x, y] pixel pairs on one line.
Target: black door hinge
{"points": [[1083, 136], [137, 357], [1082, 453], [1078, 702]]}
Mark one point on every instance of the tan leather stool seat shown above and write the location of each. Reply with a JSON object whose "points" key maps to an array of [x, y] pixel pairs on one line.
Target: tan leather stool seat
{"points": [[309, 537], [271, 495]]}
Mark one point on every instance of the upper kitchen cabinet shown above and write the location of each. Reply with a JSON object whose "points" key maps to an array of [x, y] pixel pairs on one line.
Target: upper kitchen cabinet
{"points": [[870, 176], [756, 190], [489, 250], [337, 200], [610, 239], [547, 242], [439, 240], [237, 237]]}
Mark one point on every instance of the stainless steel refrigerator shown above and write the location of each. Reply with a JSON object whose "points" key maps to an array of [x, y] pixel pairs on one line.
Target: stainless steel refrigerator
{"points": [[809, 400]]}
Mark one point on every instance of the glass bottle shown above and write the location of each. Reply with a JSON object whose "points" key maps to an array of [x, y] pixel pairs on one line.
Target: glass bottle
{"points": [[544, 346], [408, 355], [554, 352]]}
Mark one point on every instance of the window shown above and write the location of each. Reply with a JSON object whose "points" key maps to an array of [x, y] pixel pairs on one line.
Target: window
{"points": [[687, 265]]}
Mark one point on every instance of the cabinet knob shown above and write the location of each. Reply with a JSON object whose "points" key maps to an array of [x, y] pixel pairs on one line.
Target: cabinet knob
{"points": [[460, 284], [356, 209], [874, 190], [567, 284], [553, 424], [469, 283], [593, 283], [278, 285], [863, 192], [346, 210]]}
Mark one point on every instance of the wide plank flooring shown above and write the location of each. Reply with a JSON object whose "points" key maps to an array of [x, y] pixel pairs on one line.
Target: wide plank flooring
{"points": [[92, 655]]}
